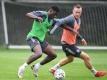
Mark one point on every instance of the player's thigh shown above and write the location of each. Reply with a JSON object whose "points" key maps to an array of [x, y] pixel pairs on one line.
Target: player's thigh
{"points": [[34, 45], [84, 56], [47, 49], [70, 57], [71, 50]]}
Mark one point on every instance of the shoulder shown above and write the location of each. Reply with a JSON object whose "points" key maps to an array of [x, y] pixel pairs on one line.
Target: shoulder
{"points": [[70, 18]]}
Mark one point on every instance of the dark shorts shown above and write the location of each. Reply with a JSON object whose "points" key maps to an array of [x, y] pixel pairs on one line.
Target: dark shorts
{"points": [[71, 50], [32, 42]]}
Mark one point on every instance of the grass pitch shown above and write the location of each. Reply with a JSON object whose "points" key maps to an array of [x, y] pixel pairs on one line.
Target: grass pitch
{"points": [[10, 60]]}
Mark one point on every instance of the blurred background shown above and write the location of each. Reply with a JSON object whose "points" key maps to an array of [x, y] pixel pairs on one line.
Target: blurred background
{"points": [[14, 25]]}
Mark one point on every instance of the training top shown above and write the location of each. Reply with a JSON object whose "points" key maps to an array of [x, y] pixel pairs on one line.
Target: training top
{"points": [[68, 36], [39, 29]]}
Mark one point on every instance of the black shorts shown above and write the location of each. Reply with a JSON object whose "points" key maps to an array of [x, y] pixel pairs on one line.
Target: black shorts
{"points": [[33, 41], [71, 50]]}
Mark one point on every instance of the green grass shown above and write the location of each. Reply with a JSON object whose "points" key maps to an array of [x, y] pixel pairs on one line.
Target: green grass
{"points": [[10, 60]]}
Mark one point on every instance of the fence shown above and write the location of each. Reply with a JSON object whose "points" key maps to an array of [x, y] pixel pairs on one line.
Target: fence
{"points": [[93, 27]]}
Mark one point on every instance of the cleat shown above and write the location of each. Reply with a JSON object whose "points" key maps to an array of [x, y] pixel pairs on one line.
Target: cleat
{"points": [[52, 71], [21, 72], [100, 73], [35, 70]]}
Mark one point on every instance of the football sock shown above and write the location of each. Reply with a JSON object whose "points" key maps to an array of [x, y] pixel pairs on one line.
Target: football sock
{"points": [[57, 66], [38, 65], [93, 70], [25, 64]]}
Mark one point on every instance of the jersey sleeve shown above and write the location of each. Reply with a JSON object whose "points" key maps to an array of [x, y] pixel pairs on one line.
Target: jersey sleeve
{"points": [[55, 21], [39, 13], [69, 20]]}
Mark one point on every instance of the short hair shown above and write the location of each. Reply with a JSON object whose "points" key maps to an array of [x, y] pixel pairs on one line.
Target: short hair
{"points": [[77, 6], [55, 8]]}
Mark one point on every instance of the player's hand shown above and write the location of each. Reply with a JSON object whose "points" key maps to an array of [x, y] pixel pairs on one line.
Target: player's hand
{"points": [[40, 19], [49, 32], [83, 42]]}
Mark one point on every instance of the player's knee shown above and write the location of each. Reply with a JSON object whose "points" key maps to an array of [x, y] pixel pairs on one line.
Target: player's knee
{"points": [[70, 58], [53, 56], [39, 54]]}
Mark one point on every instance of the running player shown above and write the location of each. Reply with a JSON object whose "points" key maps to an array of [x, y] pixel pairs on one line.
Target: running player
{"points": [[36, 39], [71, 25]]}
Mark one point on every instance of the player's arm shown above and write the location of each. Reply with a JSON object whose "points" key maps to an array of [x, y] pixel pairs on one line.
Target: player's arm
{"points": [[80, 37], [82, 40], [58, 23], [36, 15]]}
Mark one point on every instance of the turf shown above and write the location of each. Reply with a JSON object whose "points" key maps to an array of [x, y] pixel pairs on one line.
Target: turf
{"points": [[10, 60]]}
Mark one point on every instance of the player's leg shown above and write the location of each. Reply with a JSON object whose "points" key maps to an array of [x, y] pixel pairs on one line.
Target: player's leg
{"points": [[50, 55], [66, 60], [85, 57], [37, 54], [47, 49], [36, 48], [69, 58], [61, 63]]}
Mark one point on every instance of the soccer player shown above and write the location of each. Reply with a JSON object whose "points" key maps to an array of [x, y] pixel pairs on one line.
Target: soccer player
{"points": [[36, 39], [71, 26]]}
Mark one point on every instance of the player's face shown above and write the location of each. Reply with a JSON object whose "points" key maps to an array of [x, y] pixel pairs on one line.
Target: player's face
{"points": [[77, 12], [52, 13]]}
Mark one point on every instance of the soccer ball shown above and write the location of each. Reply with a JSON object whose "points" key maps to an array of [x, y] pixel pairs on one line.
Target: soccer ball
{"points": [[59, 74]]}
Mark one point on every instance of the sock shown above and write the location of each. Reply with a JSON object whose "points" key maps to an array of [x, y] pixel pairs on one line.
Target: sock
{"points": [[38, 65], [57, 66], [25, 64], [93, 70]]}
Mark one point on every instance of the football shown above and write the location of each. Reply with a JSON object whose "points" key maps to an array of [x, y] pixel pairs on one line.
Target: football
{"points": [[59, 74]]}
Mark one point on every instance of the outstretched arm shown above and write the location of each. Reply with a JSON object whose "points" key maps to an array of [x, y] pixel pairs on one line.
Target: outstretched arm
{"points": [[60, 22], [54, 28], [31, 15], [35, 15]]}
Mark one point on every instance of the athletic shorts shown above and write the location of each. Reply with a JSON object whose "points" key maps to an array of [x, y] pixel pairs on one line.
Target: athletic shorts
{"points": [[33, 41], [71, 50]]}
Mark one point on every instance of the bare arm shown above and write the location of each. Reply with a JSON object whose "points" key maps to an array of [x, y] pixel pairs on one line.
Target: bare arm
{"points": [[31, 15]]}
